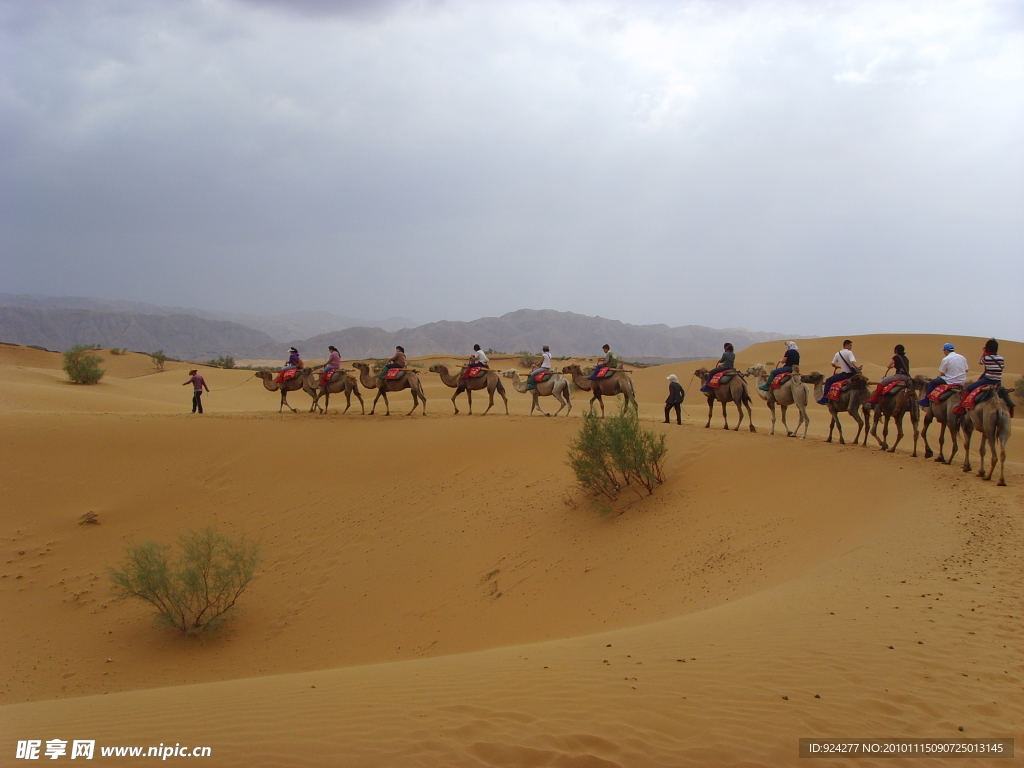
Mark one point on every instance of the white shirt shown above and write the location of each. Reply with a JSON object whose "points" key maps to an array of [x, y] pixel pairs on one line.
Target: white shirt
{"points": [[953, 368], [545, 361], [480, 357], [844, 360]]}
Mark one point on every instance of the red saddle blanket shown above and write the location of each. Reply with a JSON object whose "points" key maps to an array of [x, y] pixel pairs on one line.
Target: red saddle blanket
{"points": [[716, 380], [325, 377], [779, 380], [891, 386], [393, 374], [970, 399], [835, 390], [943, 391], [284, 376], [474, 372], [539, 377], [603, 372]]}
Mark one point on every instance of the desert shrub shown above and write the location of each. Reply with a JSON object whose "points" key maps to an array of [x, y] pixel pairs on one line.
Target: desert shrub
{"points": [[158, 358], [378, 365], [608, 454], [1018, 387], [119, 351], [527, 358], [82, 367], [193, 590], [224, 361]]}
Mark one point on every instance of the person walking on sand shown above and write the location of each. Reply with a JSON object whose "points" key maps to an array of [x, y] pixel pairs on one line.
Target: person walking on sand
{"points": [[675, 398], [198, 385], [846, 364]]}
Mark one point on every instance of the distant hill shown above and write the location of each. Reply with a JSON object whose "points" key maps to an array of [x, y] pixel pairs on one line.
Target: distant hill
{"points": [[180, 336], [282, 327], [567, 333]]}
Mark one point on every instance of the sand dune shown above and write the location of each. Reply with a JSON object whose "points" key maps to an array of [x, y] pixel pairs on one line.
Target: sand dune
{"points": [[436, 593]]}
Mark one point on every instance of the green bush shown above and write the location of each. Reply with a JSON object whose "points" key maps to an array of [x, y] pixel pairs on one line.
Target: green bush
{"points": [[224, 361], [608, 454], [119, 351], [82, 367], [1018, 388], [158, 358], [193, 590]]}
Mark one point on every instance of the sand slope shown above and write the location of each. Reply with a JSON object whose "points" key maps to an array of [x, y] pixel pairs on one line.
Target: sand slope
{"points": [[435, 592]]}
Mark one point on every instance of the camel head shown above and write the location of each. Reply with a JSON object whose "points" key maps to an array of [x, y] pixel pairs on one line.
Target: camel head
{"points": [[265, 375], [859, 382], [572, 369], [438, 368], [511, 373], [814, 377], [920, 382], [757, 370], [701, 373], [361, 366]]}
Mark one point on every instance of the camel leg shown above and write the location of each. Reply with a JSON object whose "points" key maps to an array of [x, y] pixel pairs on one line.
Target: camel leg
{"points": [[725, 415], [536, 404], [839, 427], [359, 397], [981, 456], [1001, 436], [750, 416], [805, 419], [416, 402], [284, 402], [597, 396], [924, 433], [503, 397], [914, 418], [831, 426], [898, 418], [348, 401], [455, 405], [711, 411], [490, 401], [771, 407], [381, 393], [785, 425]]}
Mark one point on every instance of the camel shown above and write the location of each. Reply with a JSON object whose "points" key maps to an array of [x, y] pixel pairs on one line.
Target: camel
{"points": [[410, 381], [556, 386], [792, 392], [340, 382], [991, 418], [618, 383], [942, 412], [732, 390], [894, 405], [851, 400], [299, 382], [491, 381]]}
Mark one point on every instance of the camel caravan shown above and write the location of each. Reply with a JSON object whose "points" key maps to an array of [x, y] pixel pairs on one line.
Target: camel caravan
{"points": [[960, 408]]}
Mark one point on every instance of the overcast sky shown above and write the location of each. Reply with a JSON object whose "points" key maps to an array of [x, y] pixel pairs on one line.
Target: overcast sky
{"points": [[814, 167]]}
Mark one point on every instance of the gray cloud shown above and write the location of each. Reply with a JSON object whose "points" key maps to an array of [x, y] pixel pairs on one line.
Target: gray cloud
{"points": [[838, 165]]}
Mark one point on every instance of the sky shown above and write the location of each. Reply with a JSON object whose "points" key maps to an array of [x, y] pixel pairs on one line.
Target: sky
{"points": [[818, 167]]}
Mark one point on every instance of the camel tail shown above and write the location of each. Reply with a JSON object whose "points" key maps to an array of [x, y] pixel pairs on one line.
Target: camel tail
{"points": [[501, 387]]}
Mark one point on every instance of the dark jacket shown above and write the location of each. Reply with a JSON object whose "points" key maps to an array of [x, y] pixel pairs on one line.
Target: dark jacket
{"points": [[675, 393]]}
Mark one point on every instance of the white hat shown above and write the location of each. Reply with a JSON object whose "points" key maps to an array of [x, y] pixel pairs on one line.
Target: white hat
{"points": [[672, 377]]}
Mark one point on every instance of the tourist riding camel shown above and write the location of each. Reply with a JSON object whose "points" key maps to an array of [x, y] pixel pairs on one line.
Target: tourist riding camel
{"points": [[730, 389], [892, 405], [790, 391], [395, 362], [991, 419], [488, 379], [992, 364], [554, 385], [844, 366], [727, 362], [943, 410], [851, 398], [605, 365], [790, 358], [952, 372], [901, 365], [403, 380], [617, 383], [543, 365], [300, 381], [339, 382]]}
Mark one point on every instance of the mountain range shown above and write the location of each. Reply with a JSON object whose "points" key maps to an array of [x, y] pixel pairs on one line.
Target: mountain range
{"points": [[197, 335]]}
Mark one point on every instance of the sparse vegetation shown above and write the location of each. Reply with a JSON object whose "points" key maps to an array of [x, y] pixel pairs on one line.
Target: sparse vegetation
{"points": [[158, 358], [526, 358], [1018, 387], [82, 367], [119, 350], [224, 361], [193, 590], [608, 454]]}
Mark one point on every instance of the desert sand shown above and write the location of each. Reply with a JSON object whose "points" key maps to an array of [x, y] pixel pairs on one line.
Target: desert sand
{"points": [[435, 591]]}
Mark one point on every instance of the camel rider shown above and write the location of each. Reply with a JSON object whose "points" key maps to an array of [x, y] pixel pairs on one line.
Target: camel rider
{"points": [[333, 363], [846, 364], [992, 363], [901, 365], [790, 358], [294, 361], [478, 359], [727, 362], [608, 361], [396, 361], [543, 365], [952, 370]]}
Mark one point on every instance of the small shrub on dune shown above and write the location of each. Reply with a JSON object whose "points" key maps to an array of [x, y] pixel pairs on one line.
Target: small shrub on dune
{"points": [[608, 454], [527, 359], [158, 358], [81, 366], [193, 590], [225, 361], [1018, 388], [118, 351]]}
